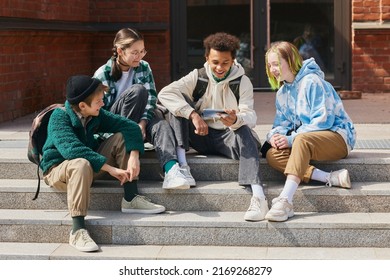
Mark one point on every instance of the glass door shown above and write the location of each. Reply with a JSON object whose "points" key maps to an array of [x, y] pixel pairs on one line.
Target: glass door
{"points": [[202, 18], [208, 17], [319, 28], [309, 26]]}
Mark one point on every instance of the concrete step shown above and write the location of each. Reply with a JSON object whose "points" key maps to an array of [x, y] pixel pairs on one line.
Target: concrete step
{"points": [[60, 251], [202, 228], [363, 165], [207, 196]]}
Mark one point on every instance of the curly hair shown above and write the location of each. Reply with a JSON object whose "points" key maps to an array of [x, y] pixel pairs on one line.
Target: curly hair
{"points": [[221, 42]]}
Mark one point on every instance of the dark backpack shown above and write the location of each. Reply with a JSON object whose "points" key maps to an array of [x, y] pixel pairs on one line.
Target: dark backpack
{"points": [[203, 81], [37, 138]]}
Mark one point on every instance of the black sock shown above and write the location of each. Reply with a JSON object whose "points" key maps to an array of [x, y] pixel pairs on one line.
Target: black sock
{"points": [[131, 190], [78, 223]]}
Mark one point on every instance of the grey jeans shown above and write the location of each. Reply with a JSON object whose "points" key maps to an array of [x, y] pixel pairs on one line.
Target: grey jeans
{"points": [[240, 144]]}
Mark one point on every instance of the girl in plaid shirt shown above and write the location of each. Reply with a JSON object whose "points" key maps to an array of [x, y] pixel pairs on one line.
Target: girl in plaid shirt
{"points": [[132, 93]]}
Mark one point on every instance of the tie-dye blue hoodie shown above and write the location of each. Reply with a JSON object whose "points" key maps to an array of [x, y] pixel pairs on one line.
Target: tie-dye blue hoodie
{"points": [[310, 103]]}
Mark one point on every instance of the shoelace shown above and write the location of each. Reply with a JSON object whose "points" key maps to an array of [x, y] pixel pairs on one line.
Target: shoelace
{"points": [[328, 182], [85, 236], [144, 197], [185, 172], [254, 205]]}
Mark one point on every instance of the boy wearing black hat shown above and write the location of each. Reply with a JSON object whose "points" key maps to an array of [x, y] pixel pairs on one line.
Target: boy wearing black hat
{"points": [[72, 157]]}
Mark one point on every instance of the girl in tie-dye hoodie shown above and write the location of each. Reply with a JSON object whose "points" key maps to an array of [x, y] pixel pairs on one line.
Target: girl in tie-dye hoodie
{"points": [[310, 124]]}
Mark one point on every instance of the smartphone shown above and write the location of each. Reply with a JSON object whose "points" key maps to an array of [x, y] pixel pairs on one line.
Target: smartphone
{"points": [[212, 113]]}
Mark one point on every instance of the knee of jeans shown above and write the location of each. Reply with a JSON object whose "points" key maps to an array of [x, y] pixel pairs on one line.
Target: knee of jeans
{"points": [[139, 91], [244, 131]]}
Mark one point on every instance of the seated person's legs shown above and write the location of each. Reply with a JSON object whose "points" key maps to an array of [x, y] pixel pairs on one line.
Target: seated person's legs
{"points": [[161, 135], [131, 103], [75, 177], [320, 146], [114, 150]]}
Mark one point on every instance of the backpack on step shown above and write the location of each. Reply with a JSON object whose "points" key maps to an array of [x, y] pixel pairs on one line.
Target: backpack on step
{"points": [[203, 81], [37, 138]]}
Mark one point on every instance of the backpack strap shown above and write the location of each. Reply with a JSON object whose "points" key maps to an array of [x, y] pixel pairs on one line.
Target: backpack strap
{"points": [[235, 87], [39, 184], [203, 82]]}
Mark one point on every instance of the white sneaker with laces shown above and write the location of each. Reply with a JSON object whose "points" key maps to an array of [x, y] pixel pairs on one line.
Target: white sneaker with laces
{"points": [[281, 210], [141, 205], [186, 170], [339, 178], [82, 241], [175, 179], [257, 209]]}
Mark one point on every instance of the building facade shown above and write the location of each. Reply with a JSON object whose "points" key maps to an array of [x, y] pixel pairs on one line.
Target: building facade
{"points": [[43, 42]]}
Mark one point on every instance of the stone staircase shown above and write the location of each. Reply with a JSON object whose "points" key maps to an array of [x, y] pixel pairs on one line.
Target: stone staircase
{"points": [[203, 222]]}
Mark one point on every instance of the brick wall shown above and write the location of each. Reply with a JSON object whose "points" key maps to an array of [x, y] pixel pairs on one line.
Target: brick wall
{"points": [[371, 46], [34, 66], [70, 10], [35, 63]]}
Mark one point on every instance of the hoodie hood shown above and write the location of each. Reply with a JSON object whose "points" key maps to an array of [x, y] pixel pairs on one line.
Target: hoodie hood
{"points": [[309, 66]]}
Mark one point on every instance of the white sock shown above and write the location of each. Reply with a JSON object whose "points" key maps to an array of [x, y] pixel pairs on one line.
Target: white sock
{"points": [[257, 190], [181, 156], [320, 175], [289, 190]]}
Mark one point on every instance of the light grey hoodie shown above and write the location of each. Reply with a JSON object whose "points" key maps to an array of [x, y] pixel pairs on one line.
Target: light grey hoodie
{"points": [[218, 95]]}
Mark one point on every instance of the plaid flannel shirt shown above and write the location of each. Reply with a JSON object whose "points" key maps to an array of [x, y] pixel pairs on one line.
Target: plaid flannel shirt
{"points": [[142, 75]]}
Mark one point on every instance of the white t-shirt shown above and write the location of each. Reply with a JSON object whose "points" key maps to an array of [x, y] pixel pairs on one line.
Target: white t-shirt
{"points": [[124, 82]]}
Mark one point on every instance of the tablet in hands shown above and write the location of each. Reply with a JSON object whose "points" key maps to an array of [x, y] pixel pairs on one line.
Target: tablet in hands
{"points": [[212, 113]]}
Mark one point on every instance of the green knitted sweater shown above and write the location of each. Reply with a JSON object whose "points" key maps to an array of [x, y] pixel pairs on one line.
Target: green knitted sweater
{"points": [[68, 139]]}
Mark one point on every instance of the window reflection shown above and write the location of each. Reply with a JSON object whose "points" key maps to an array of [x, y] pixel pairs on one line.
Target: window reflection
{"points": [[309, 25], [207, 17]]}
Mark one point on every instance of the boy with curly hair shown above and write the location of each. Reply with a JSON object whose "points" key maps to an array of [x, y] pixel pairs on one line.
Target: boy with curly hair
{"points": [[229, 133]]}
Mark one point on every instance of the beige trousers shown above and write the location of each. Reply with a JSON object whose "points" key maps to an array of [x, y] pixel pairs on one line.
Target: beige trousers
{"points": [[76, 176], [318, 146]]}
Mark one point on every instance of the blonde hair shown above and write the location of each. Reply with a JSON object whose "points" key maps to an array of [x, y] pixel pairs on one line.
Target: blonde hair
{"points": [[287, 51]]}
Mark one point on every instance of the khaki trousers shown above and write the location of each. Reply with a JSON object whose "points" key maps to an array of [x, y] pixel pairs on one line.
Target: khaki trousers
{"points": [[318, 146], [76, 176]]}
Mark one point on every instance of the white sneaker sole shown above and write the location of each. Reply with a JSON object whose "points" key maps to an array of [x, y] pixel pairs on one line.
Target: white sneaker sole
{"points": [[178, 187], [283, 218], [85, 249], [143, 211]]}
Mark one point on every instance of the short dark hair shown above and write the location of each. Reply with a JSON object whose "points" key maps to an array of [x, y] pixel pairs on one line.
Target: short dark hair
{"points": [[222, 42]]}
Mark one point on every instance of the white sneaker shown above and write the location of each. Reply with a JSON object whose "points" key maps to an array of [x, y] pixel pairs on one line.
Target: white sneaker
{"points": [[257, 209], [280, 211], [339, 178], [175, 179], [186, 170], [82, 241], [141, 205]]}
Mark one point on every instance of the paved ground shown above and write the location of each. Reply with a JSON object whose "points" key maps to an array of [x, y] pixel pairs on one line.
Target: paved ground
{"points": [[370, 109], [371, 115]]}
